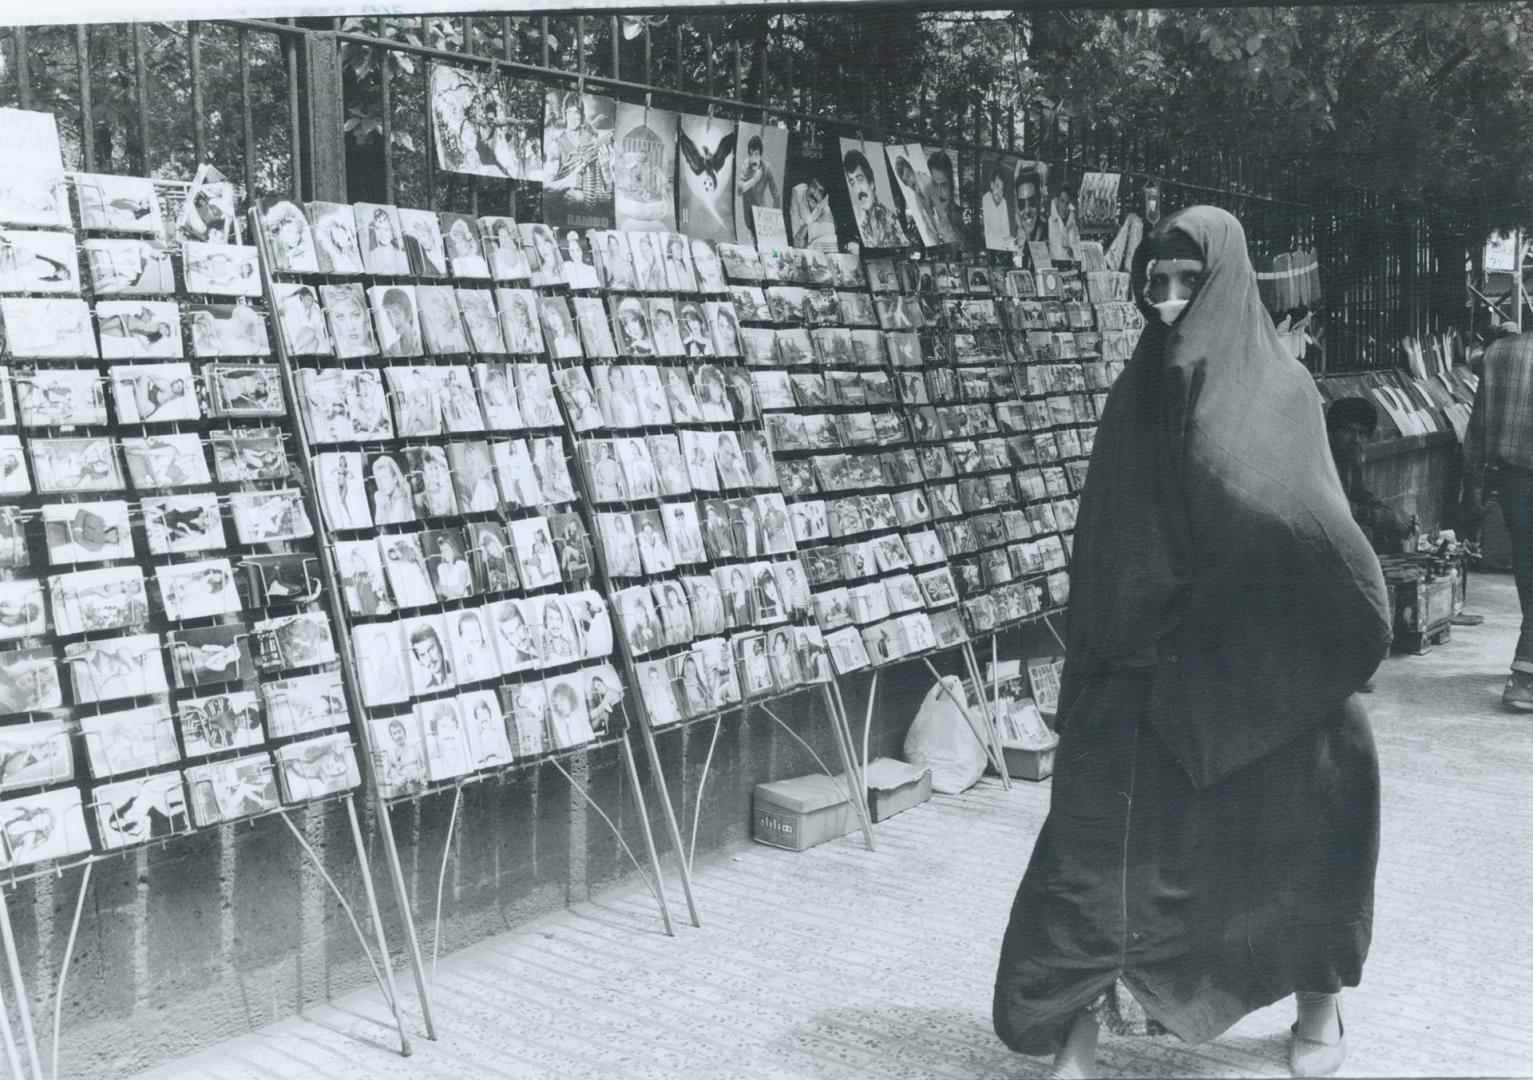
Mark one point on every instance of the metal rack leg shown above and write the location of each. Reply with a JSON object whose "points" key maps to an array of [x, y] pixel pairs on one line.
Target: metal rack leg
{"points": [[987, 713], [974, 726], [649, 837], [856, 782], [8, 1035], [406, 911], [663, 790], [384, 959], [23, 1007]]}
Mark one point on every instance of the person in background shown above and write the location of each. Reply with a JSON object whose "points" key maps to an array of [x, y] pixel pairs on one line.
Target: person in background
{"points": [[1213, 827], [1498, 456], [1349, 424]]}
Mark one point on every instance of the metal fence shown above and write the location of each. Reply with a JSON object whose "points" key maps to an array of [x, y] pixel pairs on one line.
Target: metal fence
{"points": [[337, 108]]}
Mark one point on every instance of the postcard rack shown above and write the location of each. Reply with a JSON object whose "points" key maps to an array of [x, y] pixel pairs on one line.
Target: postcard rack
{"points": [[181, 662]]}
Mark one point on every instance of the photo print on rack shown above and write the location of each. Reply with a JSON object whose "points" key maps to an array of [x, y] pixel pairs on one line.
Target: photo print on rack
{"points": [[578, 160], [760, 169], [707, 167], [867, 182], [477, 130], [645, 169]]}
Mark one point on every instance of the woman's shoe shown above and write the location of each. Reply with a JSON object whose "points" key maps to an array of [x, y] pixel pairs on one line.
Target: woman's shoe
{"points": [[1310, 1057]]}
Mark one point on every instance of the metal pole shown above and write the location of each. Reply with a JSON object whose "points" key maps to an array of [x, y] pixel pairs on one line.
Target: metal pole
{"points": [[13, 962], [8, 1035], [649, 840], [856, 784], [338, 620], [669, 812], [987, 714], [405, 1049], [963, 708]]}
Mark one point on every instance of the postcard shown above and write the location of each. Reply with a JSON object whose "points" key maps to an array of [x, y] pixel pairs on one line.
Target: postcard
{"points": [[52, 328], [130, 740], [140, 810], [176, 460], [230, 790], [154, 393], [317, 767], [304, 703], [262, 517], [211, 725], [90, 601], [43, 826]]}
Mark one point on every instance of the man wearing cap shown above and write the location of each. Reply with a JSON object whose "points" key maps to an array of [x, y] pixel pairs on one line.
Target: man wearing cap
{"points": [[1349, 423], [1498, 453]]}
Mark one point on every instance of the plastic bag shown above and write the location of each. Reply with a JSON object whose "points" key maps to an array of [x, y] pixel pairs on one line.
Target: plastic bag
{"points": [[941, 738]]}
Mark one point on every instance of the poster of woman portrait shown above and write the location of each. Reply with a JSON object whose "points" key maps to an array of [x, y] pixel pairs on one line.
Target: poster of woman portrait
{"points": [[543, 256], [423, 242], [335, 238], [381, 239], [595, 332], [478, 129], [578, 160], [644, 169], [508, 262], [465, 246], [579, 270], [707, 167], [289, 235], [519, 321]]}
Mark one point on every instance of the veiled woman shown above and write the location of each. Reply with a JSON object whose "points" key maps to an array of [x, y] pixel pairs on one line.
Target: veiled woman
{"points": [[1213, 831]]}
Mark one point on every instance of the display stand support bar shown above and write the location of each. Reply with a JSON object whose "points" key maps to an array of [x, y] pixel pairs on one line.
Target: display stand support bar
{"points": [[332, 589], [856, 779], [8, 1035], [23, 1007], [671, 825], [649, 835], [383, 945], [988, 714], [976, 726]]}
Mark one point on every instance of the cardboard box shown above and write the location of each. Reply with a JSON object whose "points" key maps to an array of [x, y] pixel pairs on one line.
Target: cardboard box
{"points": [[799, 813], [894, 786], [1029, 762]]}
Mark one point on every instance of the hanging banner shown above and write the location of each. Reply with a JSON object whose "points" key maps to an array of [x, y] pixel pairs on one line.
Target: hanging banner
{"points": [[867, 182], [476, 130], [644, 170], [707, 168], [759, 175], [578, 160]]}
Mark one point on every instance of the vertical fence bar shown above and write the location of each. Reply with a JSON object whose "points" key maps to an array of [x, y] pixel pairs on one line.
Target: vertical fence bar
{"points": [[294, 134], [247, 120], [386, 104], [735, 48], [615, 31], [23, 68], [141, 90], [681, 80], [708, 52], [649, 55], [199, 115], [430, 128], [87, 119], [543, 27]]}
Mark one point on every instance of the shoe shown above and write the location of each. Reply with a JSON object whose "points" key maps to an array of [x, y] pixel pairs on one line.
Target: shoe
{"points": [[1518, 693], [1310, 1057]]}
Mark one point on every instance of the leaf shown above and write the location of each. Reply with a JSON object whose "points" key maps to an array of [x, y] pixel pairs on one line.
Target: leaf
{"points": [[404, 139]]}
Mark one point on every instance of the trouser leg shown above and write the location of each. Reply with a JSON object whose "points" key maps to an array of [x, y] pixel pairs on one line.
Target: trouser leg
{"points": [[1516, 499]]}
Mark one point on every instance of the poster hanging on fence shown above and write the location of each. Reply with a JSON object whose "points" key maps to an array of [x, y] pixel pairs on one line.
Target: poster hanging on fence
{"points": [[913, 183], [476, 130], [1029, 191], [998, 173], [644, 173], [707, 168], [1099, 201], [946, 191], [578, 159], [759, 174], [867, 182]]}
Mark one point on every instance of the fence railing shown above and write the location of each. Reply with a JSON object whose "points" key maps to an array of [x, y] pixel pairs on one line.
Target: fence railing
{"points": [[337, 108]]}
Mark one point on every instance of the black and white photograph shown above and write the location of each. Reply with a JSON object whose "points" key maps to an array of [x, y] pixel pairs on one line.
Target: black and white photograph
{"points": [[42, 826], [86, 532], [49, 327], [139, 329], [422, 235], [465, 247], [261, 517], [228, 330], [644, 169], [208, 269], [580, 156], [177, 460], [154, 393], [520, 321], [334, 228], [46, 262], [119, 667], [232, 789], [760, 175], [59, 397], [396, 319], [475, 128], [867, 184], [315, 768], [140, 810], [124, 204], [707, 167], [219, 722], [289, 236], [619, 544], [544, 258]]}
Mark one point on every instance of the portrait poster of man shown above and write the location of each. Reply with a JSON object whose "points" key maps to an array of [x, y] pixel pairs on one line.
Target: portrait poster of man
{"points": [[707, 146], [1029, 193], [477, 130], [578, 160], [760, 172], [867, 183], [644, 169], [942, 165], [997, 200]]}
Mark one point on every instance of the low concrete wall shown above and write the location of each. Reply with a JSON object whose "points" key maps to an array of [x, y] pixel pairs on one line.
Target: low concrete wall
{"points": [[220, 932]]}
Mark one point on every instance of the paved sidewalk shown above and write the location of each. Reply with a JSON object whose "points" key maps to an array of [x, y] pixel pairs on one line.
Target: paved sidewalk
{"points": [[839, 963]]}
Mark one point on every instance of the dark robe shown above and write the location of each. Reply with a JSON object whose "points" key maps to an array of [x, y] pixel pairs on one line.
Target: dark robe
{"points": [[1213, 830]]}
